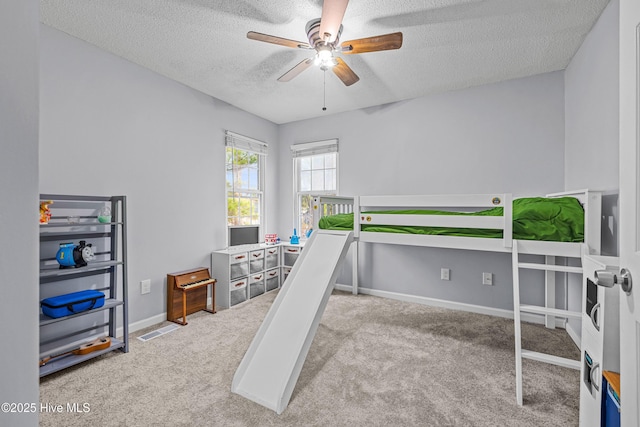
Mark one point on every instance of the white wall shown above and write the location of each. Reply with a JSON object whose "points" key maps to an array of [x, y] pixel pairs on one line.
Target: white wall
{"points": [[19, 208], [591, 128], [110, 127], [504, 137]]}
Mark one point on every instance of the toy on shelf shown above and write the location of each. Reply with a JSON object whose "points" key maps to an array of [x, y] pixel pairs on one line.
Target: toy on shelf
{"points": [[104, 216], [270, 239], [295, 239], [70, 255], [45, 212]]}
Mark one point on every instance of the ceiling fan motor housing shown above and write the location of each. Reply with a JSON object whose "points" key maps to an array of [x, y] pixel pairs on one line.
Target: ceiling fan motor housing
{"points": [[315, 38]]}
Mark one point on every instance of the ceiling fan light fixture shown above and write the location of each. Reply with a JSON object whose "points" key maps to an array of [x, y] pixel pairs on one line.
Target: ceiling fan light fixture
{"points": [[324, 59]]}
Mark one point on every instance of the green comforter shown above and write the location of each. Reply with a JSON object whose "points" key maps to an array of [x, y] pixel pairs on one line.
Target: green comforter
{"points": [[536, 218]]}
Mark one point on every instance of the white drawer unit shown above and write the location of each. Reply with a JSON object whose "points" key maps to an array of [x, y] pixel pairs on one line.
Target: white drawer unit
{"points": [[238, 265], [256, 284], [272, 278], [272, 257], [290, 254], [285, 273], [256, 261], [248, 271], [600, 341], [237, 291]]}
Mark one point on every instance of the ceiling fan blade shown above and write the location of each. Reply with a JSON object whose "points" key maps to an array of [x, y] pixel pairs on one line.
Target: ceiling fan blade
{"points": [[345, 73], [277, 40], [373, 44], [331, 19], [300, 67]]}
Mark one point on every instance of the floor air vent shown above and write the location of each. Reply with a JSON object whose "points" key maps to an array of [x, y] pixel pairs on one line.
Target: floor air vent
{"points": [[155, 334]]}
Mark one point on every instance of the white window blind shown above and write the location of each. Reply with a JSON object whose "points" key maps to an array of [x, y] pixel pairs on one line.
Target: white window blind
{"points": [[242, 142], [312, 148]]}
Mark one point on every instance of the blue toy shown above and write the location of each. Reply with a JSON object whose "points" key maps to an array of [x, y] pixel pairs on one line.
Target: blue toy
{"points": [[295, 239], [70, 255]]}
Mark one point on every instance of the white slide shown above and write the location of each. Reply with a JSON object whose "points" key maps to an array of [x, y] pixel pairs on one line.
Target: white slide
{"points": [[271, 366]]}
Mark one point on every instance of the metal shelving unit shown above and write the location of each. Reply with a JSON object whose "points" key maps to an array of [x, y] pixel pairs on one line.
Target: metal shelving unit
{"points": [[74, 218]]}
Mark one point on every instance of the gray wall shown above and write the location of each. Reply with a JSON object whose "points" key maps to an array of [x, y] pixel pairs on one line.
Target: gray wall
{"points": [[111, 127], [591, 127], [504, 137], [19, 209]]}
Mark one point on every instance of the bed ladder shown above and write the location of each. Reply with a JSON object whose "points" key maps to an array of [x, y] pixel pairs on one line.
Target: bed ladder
{"points": [[548, 310]]}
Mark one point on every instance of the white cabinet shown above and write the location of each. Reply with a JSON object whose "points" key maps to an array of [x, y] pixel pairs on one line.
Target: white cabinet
{"points": [[290, 254], [244, 272], [600, 341], [248, 271]]}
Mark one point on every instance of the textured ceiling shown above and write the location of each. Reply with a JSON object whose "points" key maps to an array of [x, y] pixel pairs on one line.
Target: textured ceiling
{"points": [[448, 44]]}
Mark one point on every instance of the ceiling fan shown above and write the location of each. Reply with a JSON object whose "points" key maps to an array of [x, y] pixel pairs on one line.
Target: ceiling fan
{"points": [[324, 37]]}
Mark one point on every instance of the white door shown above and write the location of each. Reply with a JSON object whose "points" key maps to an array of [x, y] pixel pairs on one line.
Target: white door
{"points": [[630, 209]]}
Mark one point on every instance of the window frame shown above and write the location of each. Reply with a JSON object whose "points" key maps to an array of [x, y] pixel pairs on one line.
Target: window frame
{"points": [[240, 142], [307, 150]]}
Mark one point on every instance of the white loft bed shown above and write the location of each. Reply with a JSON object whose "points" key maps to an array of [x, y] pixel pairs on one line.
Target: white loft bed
{"points": [[363, 206]]}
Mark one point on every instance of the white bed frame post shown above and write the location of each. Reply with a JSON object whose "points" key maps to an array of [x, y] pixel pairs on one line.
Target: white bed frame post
{"points": [[507, 215], [517, 321], [550, 291], [355, 244]]}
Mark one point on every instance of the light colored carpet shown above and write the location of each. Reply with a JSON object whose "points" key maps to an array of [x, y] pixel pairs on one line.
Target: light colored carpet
{"points": [[374, 362]]}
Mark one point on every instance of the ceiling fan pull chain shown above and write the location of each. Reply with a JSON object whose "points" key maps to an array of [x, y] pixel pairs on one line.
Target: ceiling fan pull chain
{"points": [[324, 91]]}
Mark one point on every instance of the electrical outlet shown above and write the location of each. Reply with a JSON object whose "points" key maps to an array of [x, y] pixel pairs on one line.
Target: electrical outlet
{"points": [[444, 273], [487, 279], [145, 286]]}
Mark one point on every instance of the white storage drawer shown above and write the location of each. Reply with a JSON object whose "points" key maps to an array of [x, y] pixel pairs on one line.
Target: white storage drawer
{"points": [[256, 263], [238, 270], [271, 258], [239, 257], [285, 273], [291, 254], [238, 291], [256, 285], [238, 265], [273, 279]]}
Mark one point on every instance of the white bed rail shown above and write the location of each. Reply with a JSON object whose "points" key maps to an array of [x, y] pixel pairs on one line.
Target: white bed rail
{"points": [[456, 202], [330, 205]]}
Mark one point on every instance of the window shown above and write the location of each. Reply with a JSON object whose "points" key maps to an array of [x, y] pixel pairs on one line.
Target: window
{"points": [[315, 174], [245, 180]]}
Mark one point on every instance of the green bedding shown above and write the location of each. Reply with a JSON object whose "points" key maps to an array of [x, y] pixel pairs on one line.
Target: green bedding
{"points": [[535, 218]]}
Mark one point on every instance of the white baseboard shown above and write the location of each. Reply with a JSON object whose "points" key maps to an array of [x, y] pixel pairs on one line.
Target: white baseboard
{"points": [[433, 302], [150, 321]]}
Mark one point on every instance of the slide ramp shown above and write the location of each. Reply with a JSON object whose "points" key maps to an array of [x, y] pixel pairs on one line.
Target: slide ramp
{"points": [[271, 366]]}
